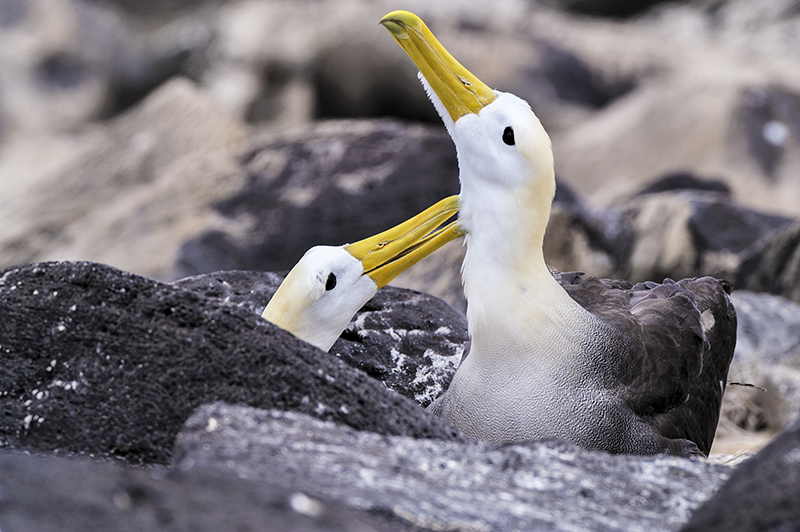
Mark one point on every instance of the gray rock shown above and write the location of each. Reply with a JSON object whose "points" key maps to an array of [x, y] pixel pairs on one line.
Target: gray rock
{"points": [[582, 238], [59, 61], [70, 62], [121, 196], [52, 494], [329, 183], [769, 328], [444, 486], [104, 362], [410, 341], [773, 265], [361, 78], [749, 134], [722, 226], [761, 495], [770, 117], [768, 356], [689, 232]]}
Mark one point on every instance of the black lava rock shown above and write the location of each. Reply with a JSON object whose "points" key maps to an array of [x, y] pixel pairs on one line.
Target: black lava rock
{"points": [[52, 494], [762, 494], [410, 341], [96, 360], [719, 225]]}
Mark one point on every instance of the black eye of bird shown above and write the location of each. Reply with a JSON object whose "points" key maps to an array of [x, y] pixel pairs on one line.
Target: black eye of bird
{"points": [[508, 136], [331, 282]]}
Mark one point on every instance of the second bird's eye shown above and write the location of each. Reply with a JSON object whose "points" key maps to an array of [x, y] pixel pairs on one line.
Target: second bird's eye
{"points": [[508, 136], [331, 282]]}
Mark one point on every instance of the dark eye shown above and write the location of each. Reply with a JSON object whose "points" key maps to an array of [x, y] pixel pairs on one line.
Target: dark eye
{"points": [[508, 136], [331, 282]]}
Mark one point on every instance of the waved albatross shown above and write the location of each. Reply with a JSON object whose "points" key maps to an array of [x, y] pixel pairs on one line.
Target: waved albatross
{"points": [[603, 364], [328, 285]]}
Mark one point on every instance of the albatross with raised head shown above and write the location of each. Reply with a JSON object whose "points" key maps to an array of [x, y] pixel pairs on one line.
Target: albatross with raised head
{"points": [[328, 285], [603, 364]]}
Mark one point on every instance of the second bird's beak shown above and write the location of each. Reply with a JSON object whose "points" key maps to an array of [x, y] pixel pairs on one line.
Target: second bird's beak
{"points": [[458, 89], [388, 254]]}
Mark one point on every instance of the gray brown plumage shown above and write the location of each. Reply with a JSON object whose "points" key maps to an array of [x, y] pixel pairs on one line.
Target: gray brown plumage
{"points": [[679, 341]]}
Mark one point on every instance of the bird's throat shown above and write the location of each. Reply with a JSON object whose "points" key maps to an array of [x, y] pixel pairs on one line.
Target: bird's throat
{"points": [[504, 270], [506, 228]]}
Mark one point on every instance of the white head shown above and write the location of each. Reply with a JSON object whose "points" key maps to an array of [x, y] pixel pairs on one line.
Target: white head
{"points": [[320, 295], [506, 163], [504, 154], [330, 284]]}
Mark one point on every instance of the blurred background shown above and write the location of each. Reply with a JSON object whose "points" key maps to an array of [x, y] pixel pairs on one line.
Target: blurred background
{"points": [[171, 138], [176, 137]]}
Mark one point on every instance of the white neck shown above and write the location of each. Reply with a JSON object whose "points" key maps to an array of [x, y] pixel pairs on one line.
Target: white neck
{"points": [[506, 281]]}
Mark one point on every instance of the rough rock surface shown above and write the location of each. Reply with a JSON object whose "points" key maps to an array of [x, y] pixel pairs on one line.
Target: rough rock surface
{"points": [[104, 362], [50, 494], [761, 494], [411, 342], [442, 486], [705, 87], [767, 359]]}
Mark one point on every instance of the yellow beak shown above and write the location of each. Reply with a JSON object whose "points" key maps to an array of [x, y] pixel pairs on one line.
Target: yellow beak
{"points": [[388, 254], [458, 89]]}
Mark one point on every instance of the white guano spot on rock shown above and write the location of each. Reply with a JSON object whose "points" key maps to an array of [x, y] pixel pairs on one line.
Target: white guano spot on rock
{"points": [[399, 360], [431, 376], [355, 182], [396, 335]]}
